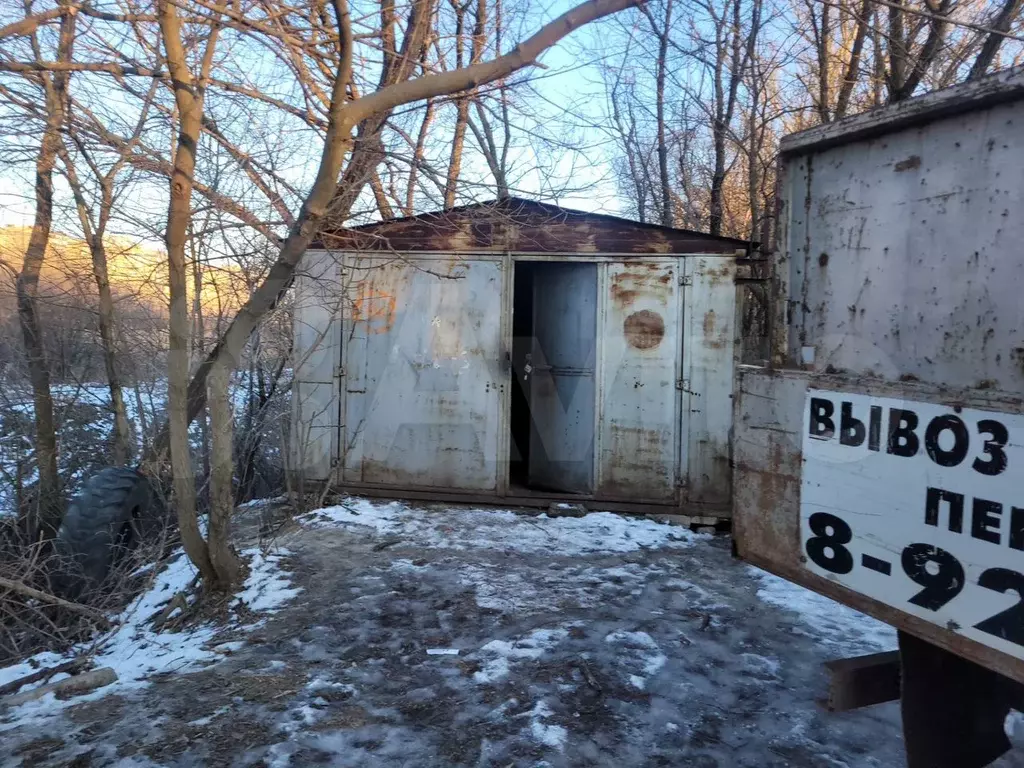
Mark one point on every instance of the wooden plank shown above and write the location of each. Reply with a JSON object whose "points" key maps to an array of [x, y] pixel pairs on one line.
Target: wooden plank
{"points": [[862, 681]]}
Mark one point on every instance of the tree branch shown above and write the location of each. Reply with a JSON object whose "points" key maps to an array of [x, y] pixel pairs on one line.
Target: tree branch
{"points": [[522, 55], [46, 597]]}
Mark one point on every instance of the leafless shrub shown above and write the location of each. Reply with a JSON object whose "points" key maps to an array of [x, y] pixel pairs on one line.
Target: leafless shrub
{"points": [[34, 618]]}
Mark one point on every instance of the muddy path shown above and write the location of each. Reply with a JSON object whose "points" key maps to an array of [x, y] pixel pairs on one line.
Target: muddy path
{"points": [[661, 655]]}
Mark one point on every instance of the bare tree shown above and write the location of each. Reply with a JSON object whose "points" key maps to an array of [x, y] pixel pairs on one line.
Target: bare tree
{"points": [[214, 559], [50, 504], [1009, 12], [662, 28], [94, 229]]}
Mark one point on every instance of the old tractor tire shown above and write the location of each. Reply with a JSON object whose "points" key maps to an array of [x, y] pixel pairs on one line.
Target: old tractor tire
{"points": [[100, 526]]}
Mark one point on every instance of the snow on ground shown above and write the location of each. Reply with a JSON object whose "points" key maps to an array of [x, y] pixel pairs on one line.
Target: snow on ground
{"points": [[441, 637], [838, 628], [136, 652], [598, 532]]}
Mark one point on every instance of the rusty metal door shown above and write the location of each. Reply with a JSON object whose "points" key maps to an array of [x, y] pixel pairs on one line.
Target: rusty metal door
{"points": [[640, 346], [562, 388], [424, 373]]}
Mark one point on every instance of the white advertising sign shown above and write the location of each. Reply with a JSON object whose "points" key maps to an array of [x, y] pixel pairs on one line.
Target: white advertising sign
{"points": [[919, 506]]}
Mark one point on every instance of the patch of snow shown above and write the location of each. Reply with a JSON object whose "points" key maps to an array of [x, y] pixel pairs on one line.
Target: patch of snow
{"points": [[501, 654], [143, 569], [209, 718], [267, 588], [632, 639], [835, 626], [499, 712], [642, 655], [27, 667], [300, 717], [252, 503], [502, 589], [135, 651], [596, 533], [442, 651], [761, 664], [320, 684], [280, 755], [548, 735]]}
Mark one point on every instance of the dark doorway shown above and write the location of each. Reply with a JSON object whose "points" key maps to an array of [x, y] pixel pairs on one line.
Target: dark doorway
{"points": [[554, 351]]}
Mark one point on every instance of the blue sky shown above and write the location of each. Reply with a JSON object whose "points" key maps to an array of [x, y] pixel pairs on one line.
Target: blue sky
{"points": [[569, 75]]}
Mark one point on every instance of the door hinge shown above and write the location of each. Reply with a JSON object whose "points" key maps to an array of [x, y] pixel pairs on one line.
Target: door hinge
{"points": [[683, 385], [686, 279]]}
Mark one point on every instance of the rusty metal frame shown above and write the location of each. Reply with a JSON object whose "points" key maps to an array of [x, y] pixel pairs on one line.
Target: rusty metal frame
{"points": [[756, 527]]}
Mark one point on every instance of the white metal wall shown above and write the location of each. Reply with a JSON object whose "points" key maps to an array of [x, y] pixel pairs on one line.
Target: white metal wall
{"points": [[638, 417], [318, 290], [423, 384], [709, 351], [423, 377], [905, 252]]}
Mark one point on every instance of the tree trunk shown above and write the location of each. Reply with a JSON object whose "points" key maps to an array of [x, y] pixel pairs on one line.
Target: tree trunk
{"points": [[45, 519], [896, 74], [664, 179], [189, 103], [123, 440], [938, 27], [879, 78], [718, 137], [198, 347], [461, 112], [824, 65], [222, 465], [852, 74], [1004, 20], [418, 154]]}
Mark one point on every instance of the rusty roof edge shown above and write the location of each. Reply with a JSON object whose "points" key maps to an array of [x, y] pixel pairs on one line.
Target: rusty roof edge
{"points": [[508, 204], [997, 88]]}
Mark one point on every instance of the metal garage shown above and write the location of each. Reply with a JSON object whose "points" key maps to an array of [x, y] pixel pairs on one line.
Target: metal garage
{"points": [[519, 351]]}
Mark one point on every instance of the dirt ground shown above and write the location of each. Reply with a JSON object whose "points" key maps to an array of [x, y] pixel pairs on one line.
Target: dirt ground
{"points": [[580, 643]]}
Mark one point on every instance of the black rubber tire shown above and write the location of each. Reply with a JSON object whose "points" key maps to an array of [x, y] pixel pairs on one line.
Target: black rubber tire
{"points": [[101, 524]]}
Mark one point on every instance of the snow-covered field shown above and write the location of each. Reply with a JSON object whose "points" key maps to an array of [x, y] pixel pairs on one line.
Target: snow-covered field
{"points": [[382, 634]]}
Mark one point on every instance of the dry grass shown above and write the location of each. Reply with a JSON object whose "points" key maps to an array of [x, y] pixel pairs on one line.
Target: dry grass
{"points": [[29, 625]]}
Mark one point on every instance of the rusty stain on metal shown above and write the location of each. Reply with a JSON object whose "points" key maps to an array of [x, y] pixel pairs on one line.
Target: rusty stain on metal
{"points": [[722, 274], [375, 308], [622, 296], [644, 329], [627, 467], [709, 322], [911, 163]]}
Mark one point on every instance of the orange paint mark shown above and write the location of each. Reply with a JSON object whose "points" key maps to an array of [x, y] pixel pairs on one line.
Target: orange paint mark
{"points": [[375, 308]]}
